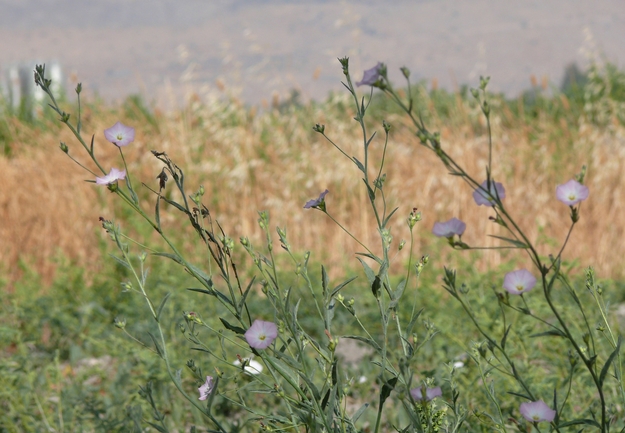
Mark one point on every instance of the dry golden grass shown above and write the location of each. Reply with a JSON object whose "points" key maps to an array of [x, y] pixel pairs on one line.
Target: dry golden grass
{"points": [[250, 161]]}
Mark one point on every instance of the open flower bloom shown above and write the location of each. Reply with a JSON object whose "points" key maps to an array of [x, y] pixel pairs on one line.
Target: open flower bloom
{"points": [[114, 175], [482, 197], [537, 411], [261, 334], [318, 203], [252, 367], [206, 388], [120, 134], [370, 76], [571, 192], [449, 228], [517, 282], [430, 393]]}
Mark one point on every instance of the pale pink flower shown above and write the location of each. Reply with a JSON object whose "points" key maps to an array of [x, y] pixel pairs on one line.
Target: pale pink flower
{"points": [[120, 134], [206, 388], [537, 411], [482, 197], [517, 282], [318, 203], [449, 228], [370, 76], [430, 393], [261, 334], [571, 192], [113, 176]]}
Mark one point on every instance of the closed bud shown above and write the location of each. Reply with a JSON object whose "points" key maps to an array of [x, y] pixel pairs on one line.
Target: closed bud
{"points": [[484, 82], [475, 93], [319, 128], [486, 108], [402, 243], [386, 126], [405, 72], [64, 147], [78, 88], [120, 323]]}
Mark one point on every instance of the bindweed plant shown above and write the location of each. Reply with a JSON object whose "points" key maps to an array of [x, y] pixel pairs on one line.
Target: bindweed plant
{"points": [[591, 348], [269, 369]]}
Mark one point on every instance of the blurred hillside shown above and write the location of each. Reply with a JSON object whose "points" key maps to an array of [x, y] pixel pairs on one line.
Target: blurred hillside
{"points": [[263, 49]]}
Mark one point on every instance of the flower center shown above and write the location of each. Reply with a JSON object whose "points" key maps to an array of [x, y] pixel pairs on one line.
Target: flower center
{"points": [[261, 337], [572, 197], [120, 136], [519, 287]]}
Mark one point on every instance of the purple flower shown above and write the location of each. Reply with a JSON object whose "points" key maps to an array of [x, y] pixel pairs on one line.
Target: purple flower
{"points": [[537, 411], [371, 76], [482, 197], [571, 192], [113, 176], [430, 393], [517, 282], [206, 388], [120, 134], [261, 334], [318, 203], [449, 228]]}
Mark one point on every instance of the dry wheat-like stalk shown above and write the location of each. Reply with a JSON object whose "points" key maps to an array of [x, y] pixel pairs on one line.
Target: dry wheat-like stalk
{"points": [[249, 161]]}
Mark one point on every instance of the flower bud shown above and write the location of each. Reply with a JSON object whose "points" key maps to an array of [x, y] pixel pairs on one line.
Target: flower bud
{"points": [[405, 71], [319, 128], [78, 88], [402, 243], [120, 323], [475, 93], [484, 82], [126, 286], [386, 126], [64, 148]]}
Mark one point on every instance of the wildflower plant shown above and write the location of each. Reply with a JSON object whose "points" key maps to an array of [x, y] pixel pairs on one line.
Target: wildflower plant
{"points": [[275, 372], [602, 363]]}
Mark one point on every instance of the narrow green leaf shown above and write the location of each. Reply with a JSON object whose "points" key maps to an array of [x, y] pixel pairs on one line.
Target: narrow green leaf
{"points": [[245, 293], [160, 307], [325, 281], [550, 333], [584, 421], [523, 396], [158, 427], [514, 242], [611, 358], [385, 222], [366, 340], [413, 321], [359, 412], [233, 328], [372, 257], [358, 164], [176, 205], [505, 337], [120, 261], [340, 286], [157, 212], [388, 386], [368, 271], [211, 292], [155, 341]]}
